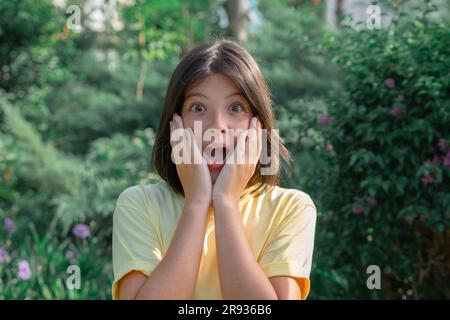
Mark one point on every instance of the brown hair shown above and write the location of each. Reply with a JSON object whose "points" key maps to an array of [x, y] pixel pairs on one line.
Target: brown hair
{"points": [[230, 59]]}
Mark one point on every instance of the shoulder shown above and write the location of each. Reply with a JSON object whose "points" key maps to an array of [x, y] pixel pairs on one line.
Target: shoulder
{"points": [[143, 196], [288, 204], [135, 195], [144, 204], [291, 197]]}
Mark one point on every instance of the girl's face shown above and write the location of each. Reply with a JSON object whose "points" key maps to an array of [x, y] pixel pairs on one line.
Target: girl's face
{"points": [[218, 103]]}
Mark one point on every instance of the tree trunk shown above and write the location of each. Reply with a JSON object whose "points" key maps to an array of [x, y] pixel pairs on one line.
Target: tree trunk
{"points": [[143, 63], [141, 80], [238, 17], [339, 12]]}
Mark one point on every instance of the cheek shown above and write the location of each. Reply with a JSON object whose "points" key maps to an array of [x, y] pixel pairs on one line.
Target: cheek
{"points": [[242, 123], [188, 121]]}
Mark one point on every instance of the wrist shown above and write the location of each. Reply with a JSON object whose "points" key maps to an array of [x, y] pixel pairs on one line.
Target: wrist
{"points": [[197, 202], [228, 201]]}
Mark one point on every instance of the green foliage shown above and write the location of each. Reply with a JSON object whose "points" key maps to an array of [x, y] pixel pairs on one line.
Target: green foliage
{"points": [[72, 137], [116, 163], [78, 114], [46, 254], [159, 28], [80, 111], [40, 167], [24, 31], [389, 202], [285, 49]]}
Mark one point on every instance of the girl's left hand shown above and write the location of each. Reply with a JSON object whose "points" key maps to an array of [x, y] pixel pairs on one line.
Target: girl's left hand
{"points": [[240, 165]]}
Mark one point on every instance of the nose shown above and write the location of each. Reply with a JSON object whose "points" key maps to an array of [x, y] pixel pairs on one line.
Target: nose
{"points": [[216, 121], [219, 122]]}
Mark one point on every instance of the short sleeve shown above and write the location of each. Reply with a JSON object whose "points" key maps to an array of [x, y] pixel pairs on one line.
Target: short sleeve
{"points": [[290, 248], [135, 243]]}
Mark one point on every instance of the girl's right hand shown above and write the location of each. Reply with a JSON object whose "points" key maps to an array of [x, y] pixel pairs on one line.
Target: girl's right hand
{"points": [[195, 177]]}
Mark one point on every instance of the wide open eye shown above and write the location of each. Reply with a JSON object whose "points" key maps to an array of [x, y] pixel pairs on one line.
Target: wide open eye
{"points": [[197, 108], [236, 108]]}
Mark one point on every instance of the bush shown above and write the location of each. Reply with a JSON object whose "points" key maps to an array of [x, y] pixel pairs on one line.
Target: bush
{"points": [[389, 131], [45, 192]]}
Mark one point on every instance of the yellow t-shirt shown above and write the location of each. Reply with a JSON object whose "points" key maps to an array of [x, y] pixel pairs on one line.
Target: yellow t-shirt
{"points": [[279, 225]]}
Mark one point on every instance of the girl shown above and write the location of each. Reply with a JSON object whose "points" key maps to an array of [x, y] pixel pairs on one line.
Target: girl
{"points": [[215, 228]]}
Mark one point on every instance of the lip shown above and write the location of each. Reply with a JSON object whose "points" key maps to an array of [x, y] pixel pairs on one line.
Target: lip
{"points": [[216, 166], [216, 162]]}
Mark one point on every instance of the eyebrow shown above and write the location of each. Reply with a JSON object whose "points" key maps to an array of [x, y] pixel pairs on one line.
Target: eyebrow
{"points": [[197, 94]]}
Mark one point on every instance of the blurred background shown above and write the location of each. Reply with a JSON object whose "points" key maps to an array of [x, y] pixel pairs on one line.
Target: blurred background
{"points": [[360, 90]]}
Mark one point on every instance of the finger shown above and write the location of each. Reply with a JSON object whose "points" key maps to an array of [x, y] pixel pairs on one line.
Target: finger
{"points": [[238, 146], [196, 155], [197, 136], [252, 146], [172, 143], [251, 126], [252, 123], [259, 138], [232, 157], [248, 145], [241, 147], [175, 135], [179, 121], [174, 121], [178, 125], [193, 138], [188, 145]]}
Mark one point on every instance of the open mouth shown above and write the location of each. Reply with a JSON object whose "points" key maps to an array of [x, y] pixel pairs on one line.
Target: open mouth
{"points": [[216, 156]]}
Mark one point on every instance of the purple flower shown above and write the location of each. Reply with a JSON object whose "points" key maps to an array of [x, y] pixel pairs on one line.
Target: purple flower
{"points": [[329, 148], [69, 254], [390, 83], [442, 144], [446, 160], [359, 209], [9, 225], [324, 119], [24, 270], [428, 179], [81, 231], [435, 161], [372, 201], [3, 255], [396, 111]]}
